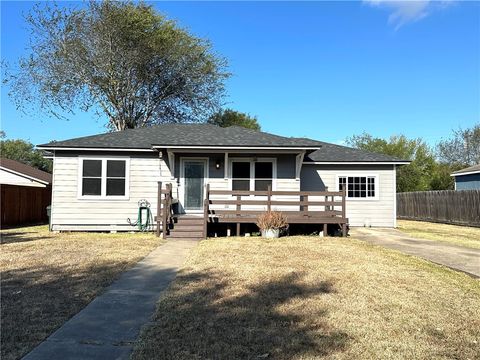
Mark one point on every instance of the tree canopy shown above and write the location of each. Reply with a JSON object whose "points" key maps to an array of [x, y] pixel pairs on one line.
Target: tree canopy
{"points": [[416, 176], [462, 149], [229, 117], [24, 152], [124, 60]]}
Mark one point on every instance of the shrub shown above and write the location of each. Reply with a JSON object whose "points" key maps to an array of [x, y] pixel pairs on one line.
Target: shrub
{"points": [[271, 220]]}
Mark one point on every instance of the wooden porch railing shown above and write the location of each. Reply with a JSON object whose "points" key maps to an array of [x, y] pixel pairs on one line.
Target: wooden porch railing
{"points": [[299, 208], [164, 208]]}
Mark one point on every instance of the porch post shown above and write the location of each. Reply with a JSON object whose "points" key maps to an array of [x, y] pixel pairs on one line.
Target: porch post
{"points": [[159, 205], [206, 204]]}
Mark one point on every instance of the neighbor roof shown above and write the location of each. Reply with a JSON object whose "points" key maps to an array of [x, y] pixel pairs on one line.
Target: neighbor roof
{"points": [[171, 135], [475, 169], [26, 170], [206, 135]]}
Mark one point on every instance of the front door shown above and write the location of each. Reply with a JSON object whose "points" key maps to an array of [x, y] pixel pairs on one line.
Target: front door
{"points": [[194, 181]]}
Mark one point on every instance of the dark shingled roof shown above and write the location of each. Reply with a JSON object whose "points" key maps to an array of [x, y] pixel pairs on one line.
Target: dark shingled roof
{"points": [[26, 170], [337, 153], [471, 169], [211, 135], [181, 135]]}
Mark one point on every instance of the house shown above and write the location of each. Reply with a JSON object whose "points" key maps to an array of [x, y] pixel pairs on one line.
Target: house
{"points": [[25, 193], [468, 178], [99, 180]]}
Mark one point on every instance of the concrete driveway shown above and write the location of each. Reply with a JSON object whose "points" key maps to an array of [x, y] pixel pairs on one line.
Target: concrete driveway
{"points": [[454, 256]]}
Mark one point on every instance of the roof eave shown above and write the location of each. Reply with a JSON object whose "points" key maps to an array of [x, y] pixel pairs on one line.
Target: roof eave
{"points": [[32, 178], [363, 162], [79, 148], [465, 173], [232, 147]]}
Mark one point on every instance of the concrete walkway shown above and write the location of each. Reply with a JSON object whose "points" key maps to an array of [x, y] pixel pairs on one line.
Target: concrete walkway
{"points": [[454, 256], [109, 325]]}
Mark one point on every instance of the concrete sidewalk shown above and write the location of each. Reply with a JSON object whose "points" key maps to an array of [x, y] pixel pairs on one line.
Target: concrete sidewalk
{"points": [[109, 325], [453, 256]]}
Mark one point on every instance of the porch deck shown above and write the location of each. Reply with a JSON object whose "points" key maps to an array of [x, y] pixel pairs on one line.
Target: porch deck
{"points": [[243, 207]]}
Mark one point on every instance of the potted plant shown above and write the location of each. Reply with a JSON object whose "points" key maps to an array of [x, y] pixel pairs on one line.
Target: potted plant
{"points": [[270, 223]]}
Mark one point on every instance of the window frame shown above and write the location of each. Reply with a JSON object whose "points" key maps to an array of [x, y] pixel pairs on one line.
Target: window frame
{"points": [[103, 192], [365, 175], [252, 179]]}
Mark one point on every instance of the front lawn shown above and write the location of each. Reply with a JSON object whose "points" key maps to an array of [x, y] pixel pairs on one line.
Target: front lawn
{"points": [[47, 278], [312, 297], [452, 234]]}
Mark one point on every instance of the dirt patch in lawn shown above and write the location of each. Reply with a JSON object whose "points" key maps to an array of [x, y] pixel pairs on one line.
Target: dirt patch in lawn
{"points": [[47, 278], [311, 297], [452, 234]]}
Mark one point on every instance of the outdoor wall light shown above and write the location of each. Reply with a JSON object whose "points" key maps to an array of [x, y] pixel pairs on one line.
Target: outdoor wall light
{"points": [[217, 164]]}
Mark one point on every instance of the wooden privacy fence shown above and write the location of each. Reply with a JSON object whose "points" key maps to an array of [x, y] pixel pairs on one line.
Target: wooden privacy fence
{"points": [[448, 206], [24, 204]]}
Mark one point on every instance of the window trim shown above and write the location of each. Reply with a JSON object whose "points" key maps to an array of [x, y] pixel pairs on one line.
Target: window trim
{"points": [[103, 192], [376, 178], [252, 162]]}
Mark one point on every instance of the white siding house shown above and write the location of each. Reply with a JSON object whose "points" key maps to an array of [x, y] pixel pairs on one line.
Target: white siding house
{"points": [[98, 181]]}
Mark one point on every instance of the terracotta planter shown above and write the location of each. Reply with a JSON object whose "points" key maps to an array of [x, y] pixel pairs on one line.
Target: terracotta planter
{"points": [[271, 233]]}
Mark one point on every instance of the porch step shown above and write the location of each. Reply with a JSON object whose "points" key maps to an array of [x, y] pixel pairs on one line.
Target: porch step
{"points": [[187, 226], [186, 234], [190, 220]]}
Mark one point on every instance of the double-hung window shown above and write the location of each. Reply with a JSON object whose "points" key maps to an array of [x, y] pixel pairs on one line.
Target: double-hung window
{"points": [[103, 178], [359, 187], [263, 175], [241, 175], [252, 175]]}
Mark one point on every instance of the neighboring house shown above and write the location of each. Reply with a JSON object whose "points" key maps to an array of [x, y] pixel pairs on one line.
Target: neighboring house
{"points": [[468, 178], [25, 193], [98, 180]]}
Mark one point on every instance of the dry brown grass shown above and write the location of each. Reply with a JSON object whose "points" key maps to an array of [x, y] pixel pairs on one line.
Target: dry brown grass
{"points": [[452, 234], [47, 278], [312, 297]]}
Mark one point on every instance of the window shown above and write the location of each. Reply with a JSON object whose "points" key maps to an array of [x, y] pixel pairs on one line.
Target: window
{"points": [[252, 175], [116, 177], [92, 177], [263, 175], [358, 186], [101, 178], [241, 175]]}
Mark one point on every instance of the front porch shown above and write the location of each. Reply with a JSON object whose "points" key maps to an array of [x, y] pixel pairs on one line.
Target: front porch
{"points": [[238, 207]]}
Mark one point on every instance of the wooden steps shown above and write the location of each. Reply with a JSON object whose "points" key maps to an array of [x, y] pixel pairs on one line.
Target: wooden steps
{"points": [[187, 227]]}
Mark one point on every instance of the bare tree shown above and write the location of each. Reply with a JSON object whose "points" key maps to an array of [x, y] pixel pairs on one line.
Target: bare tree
{"points": [[122, 59]]}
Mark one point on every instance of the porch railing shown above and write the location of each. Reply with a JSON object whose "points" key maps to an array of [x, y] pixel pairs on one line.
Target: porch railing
{"points": [[304, 207], [164, 209]]}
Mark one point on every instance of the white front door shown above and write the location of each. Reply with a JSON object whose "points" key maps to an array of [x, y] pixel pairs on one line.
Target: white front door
{"points": [[193, 183]]}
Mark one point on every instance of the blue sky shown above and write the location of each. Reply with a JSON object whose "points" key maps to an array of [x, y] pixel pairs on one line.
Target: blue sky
{"points": [[325, 70]]}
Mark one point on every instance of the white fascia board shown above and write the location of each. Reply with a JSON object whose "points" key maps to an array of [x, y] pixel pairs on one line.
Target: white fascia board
{"points": [[356, 163], [24, 175], [466, 173], [90, 149], [251, 148]]}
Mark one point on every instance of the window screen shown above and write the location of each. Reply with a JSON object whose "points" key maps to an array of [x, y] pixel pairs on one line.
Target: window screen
{"points": [[92, 177], [115, 177], [241, 175], [263, 175]]}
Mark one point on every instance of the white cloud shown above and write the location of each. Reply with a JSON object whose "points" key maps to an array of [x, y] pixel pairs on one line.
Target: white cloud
{"points": [[405, 11]]}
